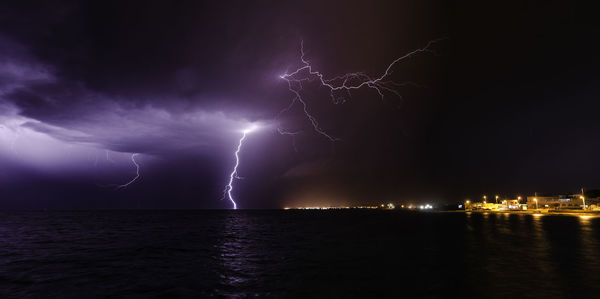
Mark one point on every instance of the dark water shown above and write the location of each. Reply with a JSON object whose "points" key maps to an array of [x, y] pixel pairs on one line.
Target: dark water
{"points": [[333, 254]]}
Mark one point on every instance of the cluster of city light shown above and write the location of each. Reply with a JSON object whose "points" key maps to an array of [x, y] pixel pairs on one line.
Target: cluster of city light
{"points": [[420, 207], [566, 204], [334, 207], [388, 206]]}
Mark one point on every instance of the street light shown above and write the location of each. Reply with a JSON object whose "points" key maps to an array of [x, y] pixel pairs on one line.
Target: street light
{"points": [[484, 199], [496, 199], [536, 204], [519, 198], [583, 198]]}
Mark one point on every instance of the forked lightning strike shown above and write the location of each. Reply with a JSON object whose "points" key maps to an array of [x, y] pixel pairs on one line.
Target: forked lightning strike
{"points": [[342, 84], [336, 85], [234, 172]]}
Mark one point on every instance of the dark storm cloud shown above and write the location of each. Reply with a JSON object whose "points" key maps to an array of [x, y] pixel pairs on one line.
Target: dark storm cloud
{"points": [[156, 48], [128, 78], [68, 111], [181, 80], [129, 83], [514, 86]]}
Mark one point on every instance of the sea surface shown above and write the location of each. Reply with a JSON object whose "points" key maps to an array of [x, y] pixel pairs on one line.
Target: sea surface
{"points": [[296, 254]]}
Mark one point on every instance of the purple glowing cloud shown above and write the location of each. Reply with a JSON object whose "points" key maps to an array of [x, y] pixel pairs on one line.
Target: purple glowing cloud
{"points": [[54, 125]]}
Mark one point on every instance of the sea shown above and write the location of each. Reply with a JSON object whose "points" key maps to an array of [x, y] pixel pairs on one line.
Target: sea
{"points": [[297, 254]]}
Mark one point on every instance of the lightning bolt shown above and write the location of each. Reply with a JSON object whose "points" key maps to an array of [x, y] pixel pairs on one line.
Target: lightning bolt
{"points": [[234, 172], [137, 173], [340, 87]]}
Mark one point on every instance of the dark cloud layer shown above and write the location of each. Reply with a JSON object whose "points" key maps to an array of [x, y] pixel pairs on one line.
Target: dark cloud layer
{"points": [[511, 93]]}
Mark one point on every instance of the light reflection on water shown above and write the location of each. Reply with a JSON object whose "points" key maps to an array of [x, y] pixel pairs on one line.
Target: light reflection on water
{"points": [[235, 252], [239, 254], [503, 254]]}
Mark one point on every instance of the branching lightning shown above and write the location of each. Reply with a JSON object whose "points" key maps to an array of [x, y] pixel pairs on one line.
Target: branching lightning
{"points": [[234, 172], [137, 173], [340, 87]]}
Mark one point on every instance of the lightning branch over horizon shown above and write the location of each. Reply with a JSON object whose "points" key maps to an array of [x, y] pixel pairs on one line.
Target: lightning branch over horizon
{"points": [[137, 173], [336, 85], [340, 87], [234, 172]]}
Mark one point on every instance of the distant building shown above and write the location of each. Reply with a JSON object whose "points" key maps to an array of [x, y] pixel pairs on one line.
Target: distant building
{"points": [[558, 202], [505, 204], [481, 206], [511, 204]]}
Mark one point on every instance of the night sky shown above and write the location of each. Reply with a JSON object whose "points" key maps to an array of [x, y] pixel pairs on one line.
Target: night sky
{"points": [[505, 103]]}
